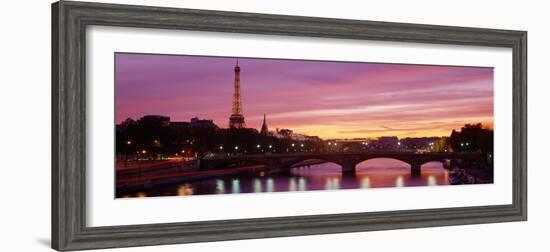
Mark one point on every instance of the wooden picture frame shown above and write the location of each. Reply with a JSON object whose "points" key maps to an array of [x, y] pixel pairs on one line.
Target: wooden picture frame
{"points": [[69, 20]]}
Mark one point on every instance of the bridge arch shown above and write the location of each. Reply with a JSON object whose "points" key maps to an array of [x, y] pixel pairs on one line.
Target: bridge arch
{"points": [[397, 160], [414, 163], [433, 162], [290, 163], [366, 165]]}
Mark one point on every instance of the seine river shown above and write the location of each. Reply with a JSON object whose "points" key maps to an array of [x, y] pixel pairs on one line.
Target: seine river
{"points": [[374, 173]]}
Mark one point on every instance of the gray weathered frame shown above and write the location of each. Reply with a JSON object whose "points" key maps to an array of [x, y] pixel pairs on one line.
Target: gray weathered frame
{"points": [[69, 20]]}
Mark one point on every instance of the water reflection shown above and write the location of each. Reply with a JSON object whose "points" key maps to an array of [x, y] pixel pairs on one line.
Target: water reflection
{"points": [[302, 184], [236, 186], [335, 183], [365, 182], [399, 181], [431, 180], [291, 184], [257, 185], [185, 189], [375, 173], [270, 186], [220, 186]]}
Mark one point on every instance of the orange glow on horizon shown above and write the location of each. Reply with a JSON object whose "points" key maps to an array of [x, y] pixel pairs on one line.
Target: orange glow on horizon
{"points": [[343, 132]]}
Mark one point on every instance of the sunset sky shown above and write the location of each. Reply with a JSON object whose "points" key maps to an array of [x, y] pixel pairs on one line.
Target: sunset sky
{"points": [[326, 99]]}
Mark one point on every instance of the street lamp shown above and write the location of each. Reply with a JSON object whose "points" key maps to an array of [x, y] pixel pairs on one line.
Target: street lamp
{"points": [[270, 146], [258, 146], [129, 142]]}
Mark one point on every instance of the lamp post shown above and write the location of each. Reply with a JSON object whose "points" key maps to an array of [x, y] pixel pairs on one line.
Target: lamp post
{"points": [[127, 153]]}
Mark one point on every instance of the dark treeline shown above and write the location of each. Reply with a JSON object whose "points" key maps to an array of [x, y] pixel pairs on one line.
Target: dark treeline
{"points": [[472, 137], [150, 137]]}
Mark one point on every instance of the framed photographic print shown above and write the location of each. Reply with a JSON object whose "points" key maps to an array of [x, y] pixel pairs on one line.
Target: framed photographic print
{"points": [[178, 125]]}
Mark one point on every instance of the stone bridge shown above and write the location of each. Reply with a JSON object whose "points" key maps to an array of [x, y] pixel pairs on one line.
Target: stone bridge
{"points": [[347, 160]]}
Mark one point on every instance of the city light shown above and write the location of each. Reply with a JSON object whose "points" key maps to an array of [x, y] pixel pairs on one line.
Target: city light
{"points": [[292, 145], [236, 147], [182, 151], [143, 151], [258, 146], [270, 146], [221, 147], [129, 142]]}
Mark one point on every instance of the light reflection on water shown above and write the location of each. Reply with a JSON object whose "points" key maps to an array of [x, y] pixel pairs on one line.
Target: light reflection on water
{"points": [[399, 181], [365, 182], [432, 181], [235, 186], [374, 173], [302, 184], [220, 186], [257, 185], [270, 185], [292, 184]]}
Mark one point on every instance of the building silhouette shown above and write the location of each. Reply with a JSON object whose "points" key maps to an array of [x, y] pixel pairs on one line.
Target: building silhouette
{"points": [[264, 130], [195, 122], [236, 120]]}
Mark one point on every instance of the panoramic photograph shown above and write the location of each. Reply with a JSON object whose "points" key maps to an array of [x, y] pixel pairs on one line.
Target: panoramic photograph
{"points": [[201, 125]]}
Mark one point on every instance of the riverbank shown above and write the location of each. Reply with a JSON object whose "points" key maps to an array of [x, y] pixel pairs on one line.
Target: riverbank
{"points": [[144, 182], [178, 171]]}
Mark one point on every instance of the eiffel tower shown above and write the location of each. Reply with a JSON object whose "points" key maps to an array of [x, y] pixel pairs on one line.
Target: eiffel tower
{"points": [[236, 120]]}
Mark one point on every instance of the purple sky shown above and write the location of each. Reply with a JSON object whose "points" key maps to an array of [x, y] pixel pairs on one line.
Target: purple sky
{"points": [[328, 99]]}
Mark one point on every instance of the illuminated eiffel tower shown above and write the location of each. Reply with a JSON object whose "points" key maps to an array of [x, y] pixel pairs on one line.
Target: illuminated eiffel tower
{"points": [[236, 120]]}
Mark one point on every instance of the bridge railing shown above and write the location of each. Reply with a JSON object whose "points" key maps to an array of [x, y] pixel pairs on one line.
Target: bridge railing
{"points": [[301, 154]]}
